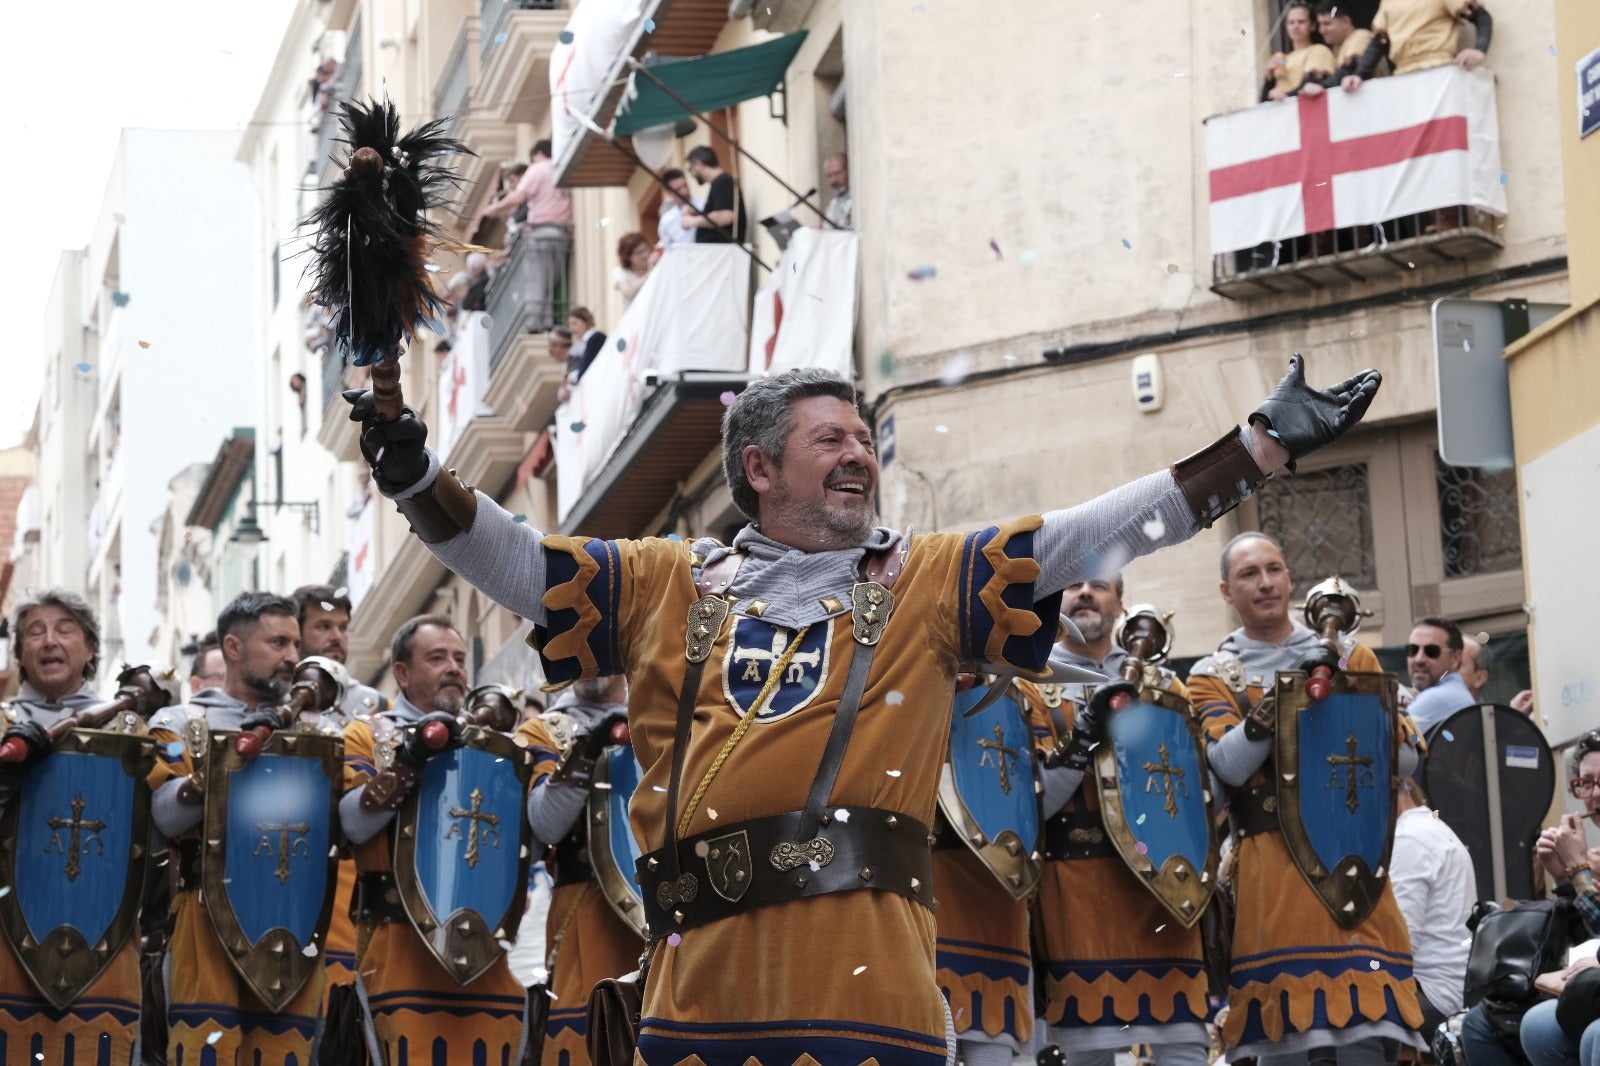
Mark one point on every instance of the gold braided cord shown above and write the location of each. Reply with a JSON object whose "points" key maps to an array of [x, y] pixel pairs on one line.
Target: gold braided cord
{"points": [[561, 933], [739, 730]]}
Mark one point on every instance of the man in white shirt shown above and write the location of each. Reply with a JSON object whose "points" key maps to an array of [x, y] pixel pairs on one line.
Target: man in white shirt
{"points": [[1431, 873], [673, 233]]}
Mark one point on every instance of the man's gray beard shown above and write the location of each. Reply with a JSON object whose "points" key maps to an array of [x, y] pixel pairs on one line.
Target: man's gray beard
{"points": [[448, 704], [844, 528], [1092, 631]]}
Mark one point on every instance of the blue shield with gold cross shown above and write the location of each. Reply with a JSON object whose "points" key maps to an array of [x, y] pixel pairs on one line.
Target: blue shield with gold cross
{"points": [[613, 851], [267, 866], [72, 850], [1336, 760], [461, 851], [988, 789], [1155, 801]]}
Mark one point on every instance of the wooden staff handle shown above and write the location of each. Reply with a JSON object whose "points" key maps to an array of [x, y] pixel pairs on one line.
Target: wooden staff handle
{"points": [[387, 400]]}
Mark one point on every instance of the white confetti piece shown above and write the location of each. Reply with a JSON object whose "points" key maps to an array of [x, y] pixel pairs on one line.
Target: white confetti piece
{"points": [[214, 1037], [711, 812], [892, 773], [941, 429], [310, 951], [858, 971], [956, 368], [701, 849], [658, 788], [842, 815], [814, 866], [1155, 529], [1375, 965], [895, 698]]}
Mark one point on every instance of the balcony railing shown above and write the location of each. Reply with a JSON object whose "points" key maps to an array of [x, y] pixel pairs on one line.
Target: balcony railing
{"points": [[454, 88], [493, 14], [531, 291], [1325, 190]]}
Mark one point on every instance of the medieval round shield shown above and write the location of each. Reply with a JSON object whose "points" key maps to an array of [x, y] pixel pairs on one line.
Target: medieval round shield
{"points": [[988, 788], [1336, 760], [1155, 801], [461, 851], [613, 851], [267, 866], [72, 850]]}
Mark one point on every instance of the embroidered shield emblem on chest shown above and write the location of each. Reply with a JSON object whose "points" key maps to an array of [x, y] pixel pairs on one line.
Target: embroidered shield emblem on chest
{"points": [[754, 654]]}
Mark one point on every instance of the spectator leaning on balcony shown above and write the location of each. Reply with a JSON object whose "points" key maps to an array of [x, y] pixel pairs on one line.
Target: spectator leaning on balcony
{"points": [[587, 341], [633, 254], [670, 226], [1418, 34], [1307, 62], [1348, 43], [547, 221], [477, 294], [836, 169], [721, 220]]}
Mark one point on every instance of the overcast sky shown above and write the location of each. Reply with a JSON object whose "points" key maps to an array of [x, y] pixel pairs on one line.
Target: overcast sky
{"points": [[73, 76]]}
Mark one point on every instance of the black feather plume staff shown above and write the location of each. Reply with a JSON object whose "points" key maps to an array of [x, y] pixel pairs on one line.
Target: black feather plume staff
{"points": [[373, 237]]}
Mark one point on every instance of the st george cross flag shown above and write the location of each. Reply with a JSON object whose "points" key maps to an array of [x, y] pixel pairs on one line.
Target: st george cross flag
{"points": [[805, 313], [1396, 146]]}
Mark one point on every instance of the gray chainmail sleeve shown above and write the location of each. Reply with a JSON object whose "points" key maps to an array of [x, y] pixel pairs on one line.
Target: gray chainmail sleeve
{"points": [[500, 556], [553, 809], [1060, 785], [361, 825], [1234, 756], [1105, 534]]}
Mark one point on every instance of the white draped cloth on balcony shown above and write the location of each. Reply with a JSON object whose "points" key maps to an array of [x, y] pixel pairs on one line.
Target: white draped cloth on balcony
{"points": [[691, 314], [805, 313]]}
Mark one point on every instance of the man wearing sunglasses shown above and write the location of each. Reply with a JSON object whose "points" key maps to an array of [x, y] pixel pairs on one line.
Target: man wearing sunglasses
{"points": [[1433, 659]]}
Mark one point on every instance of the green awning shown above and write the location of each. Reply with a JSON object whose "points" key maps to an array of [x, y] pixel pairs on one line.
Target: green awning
{"points": [[709, 83]]}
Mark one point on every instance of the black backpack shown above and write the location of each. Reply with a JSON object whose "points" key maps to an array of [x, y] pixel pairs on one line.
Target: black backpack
{"points": [[1510, 948]]}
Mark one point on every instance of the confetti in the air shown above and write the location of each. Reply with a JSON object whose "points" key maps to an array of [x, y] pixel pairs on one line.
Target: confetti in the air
{"points": [[701, 849], [5, 890], [956, 367], [994, 246], [842, 815], [310, 951], [500, 38], [650, 27], [1504, 177], [815, 866], [711, 812], [1127, 243], [1027, 257], [1160, 927], [622, 344], [82, 368], [1141, 847], [1552, 49], [216, 1034], [921, 273], [894, 698], [941, 428], [675, 939], [175, 749], [885, 362], [1448, 735], [1172, 268], [1139, 820], [658, 788], [1155, 529], [577, 427], [565, 37], [1374, 964], [519, 518], [858, 971], [1344, 664], [728, 397], [146, 344], [892, 773]]}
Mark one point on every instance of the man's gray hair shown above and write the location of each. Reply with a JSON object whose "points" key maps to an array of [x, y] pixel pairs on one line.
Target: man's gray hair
{"points": [[73, 604], [763, 415]]}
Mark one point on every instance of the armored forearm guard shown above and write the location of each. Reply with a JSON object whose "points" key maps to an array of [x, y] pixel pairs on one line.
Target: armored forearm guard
{"points": [[387, 789], [442, 510], [1216, 478], [577, 768]]}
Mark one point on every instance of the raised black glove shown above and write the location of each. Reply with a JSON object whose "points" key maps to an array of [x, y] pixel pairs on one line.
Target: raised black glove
{"points": [[1303, 419], [1088, 728], [395, 450], [414, 751], [599, 739], [38, 743]]}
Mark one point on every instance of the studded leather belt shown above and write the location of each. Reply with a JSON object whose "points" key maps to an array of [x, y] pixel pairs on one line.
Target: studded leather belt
{"points": [[376, 899], [571, 866], [1254, 811], [740, 867], [1077, 834]]}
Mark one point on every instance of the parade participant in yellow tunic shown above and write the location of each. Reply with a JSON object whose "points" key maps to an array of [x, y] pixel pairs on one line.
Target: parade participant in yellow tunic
{"points": [[1299, 981], [791, 730], [324, 616], [1306, 61], [982, 956], [585, 941], [417, 1012], [56, 642], [1121, 970], [213, 1017]]}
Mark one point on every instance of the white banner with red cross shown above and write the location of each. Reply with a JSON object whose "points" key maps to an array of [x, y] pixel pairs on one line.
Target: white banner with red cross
{"points": [[1395, 147]]}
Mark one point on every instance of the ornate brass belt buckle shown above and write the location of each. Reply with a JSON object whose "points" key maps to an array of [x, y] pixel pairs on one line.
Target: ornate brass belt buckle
{"points": [[870, 607], [787, 856], [681, 889], [705, 622]]}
